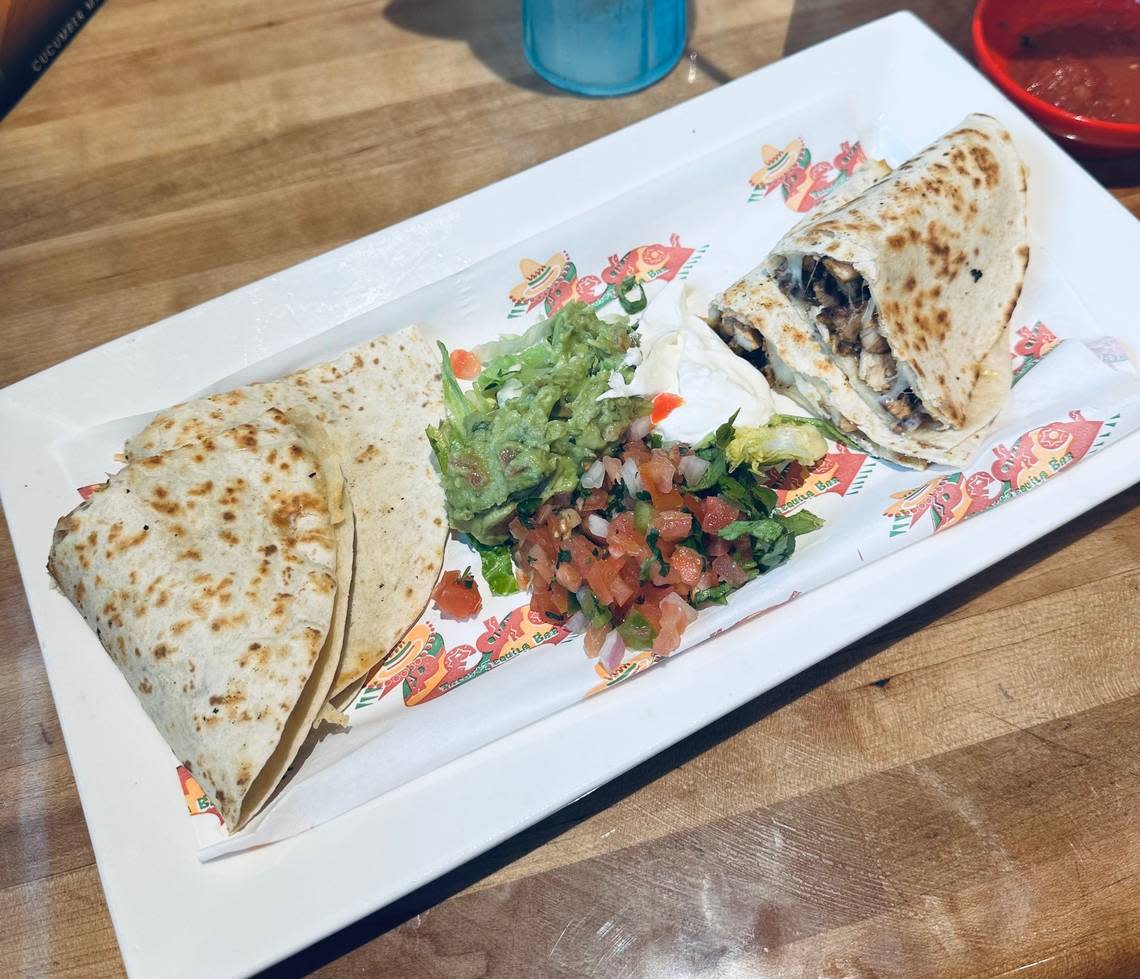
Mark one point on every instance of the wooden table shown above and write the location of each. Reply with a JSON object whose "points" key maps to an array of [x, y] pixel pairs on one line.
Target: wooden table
{"points": [[957, 794]]}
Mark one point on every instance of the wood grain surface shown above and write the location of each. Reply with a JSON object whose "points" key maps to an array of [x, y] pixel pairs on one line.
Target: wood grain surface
{"points": [[955, 795]]}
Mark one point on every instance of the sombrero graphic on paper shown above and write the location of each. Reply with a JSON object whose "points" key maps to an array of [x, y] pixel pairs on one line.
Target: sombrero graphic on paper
{"points": [[554, 283], [803, 184]]}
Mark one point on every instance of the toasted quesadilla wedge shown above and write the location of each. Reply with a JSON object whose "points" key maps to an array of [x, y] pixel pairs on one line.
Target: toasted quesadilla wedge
{"points": [[216, 576], [376, 402], [889, 313]]}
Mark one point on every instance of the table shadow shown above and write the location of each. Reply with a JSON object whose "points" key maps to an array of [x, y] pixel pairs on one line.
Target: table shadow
{"points": [[388, 918]]}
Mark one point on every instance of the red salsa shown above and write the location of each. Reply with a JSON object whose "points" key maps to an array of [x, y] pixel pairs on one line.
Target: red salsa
{"points": [[1089, 70]]}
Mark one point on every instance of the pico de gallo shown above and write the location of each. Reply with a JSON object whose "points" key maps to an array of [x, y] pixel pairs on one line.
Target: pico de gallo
{"points": [[619, 535]]}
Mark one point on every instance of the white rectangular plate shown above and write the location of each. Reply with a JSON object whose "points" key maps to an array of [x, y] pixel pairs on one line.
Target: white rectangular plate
{"points": [[243, 913]]}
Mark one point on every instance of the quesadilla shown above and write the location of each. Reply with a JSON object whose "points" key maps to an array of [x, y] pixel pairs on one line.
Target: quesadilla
{"points": [[889, 314], [216, 576], [376, 402]]}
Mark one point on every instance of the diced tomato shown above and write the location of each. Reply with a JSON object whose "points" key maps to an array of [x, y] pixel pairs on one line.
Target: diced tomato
{"points": [[581, 552], [559, 598], [457, 596], [686, 565], [568, 576], [665, 501], [672, 524], [638, 451], [648, 603], [542, 604], [695, 505], [716, 546], [666, 548], [631, 574], [624, 539], [707, 580], [718, 515], [465, 364], [676, 616], [600, 576], [538, 560], [728, 570], [657, 473], [86, 492], [663, 406], [622, 590], [597, 500]]}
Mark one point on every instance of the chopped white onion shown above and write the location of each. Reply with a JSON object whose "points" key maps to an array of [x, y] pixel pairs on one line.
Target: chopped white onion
{"points": [[592, 477], [868, 311], [693, 469], [578, 623], [631, 477], [613, 468], [612, 652], [598, 526], [641, 427]]}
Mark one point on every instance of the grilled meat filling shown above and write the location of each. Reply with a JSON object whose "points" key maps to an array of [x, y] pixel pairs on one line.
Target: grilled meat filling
{"points": [[848, 323]]}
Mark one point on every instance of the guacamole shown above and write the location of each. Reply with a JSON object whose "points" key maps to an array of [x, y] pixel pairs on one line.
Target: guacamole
{"points": [[532, 421]]}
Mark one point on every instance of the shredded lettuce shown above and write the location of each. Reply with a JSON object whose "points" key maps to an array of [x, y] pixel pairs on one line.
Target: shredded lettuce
{"points": [[760, 448], [513, 343], [498, 568]]}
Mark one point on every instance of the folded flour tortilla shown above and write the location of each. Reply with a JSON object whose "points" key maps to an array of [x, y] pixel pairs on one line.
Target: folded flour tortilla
{"points": [[216, 575], [889, 313], [376, 402]]}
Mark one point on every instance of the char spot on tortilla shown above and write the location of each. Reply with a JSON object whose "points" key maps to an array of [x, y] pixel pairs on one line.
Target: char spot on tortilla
{"points": [[144, 686], [985, 161], [152, 462], [163, 598], [190, 554], [228, 537], [160, 651], [910, 283], [180, 626]]}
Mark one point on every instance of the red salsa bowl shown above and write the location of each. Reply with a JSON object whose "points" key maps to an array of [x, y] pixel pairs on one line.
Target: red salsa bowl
{"points": [[1073, 65]]}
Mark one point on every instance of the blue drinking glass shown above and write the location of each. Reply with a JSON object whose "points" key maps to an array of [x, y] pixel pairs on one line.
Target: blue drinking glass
{"points": [[603, 47]]}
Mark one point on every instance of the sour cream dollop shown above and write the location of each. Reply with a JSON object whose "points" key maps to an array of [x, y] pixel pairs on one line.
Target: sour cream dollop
{"points": [[679, 353]]}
